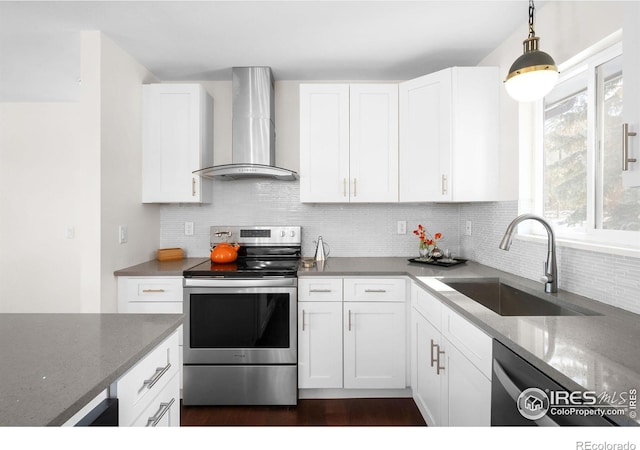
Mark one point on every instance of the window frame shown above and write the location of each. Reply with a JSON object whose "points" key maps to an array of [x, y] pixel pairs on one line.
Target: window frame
{"points": [[532, 162]]}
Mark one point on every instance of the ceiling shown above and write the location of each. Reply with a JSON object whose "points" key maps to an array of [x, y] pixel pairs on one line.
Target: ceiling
{"points": [[300, 40]]}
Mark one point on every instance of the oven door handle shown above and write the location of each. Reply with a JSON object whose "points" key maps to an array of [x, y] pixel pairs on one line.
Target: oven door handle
{"points": [[231, 282]]}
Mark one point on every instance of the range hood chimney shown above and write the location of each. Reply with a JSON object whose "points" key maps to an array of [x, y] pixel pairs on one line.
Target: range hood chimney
{"points": [[253, 137]]}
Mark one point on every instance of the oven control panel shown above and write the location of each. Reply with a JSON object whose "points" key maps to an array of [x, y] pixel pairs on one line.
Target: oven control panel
{"points": [[257, 235]]}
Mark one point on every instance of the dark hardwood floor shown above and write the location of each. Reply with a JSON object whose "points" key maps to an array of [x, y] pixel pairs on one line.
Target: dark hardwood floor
{"points": [[309, 412]]}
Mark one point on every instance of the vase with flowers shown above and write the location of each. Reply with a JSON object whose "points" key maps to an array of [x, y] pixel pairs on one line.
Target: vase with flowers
{"points": [[428, 248]]}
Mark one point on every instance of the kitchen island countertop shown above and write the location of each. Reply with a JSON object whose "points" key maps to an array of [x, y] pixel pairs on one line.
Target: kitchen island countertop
{"points": [[51, 365]]}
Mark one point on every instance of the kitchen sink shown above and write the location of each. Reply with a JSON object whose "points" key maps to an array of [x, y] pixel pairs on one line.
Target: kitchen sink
{"points": [[507, 300]]}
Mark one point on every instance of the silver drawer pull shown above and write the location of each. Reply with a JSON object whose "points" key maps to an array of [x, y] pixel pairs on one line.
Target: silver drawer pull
{"points": [[375, 290], [154, 291], [164, 408], [320, 290], [156, 376]]}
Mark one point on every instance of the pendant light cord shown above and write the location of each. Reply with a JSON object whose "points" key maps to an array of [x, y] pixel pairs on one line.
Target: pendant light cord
{"points": [[532, 8]]}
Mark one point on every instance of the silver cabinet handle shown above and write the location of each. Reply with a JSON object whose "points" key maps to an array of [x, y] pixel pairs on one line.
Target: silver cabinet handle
{"points": [[319, 290], [443, 182], [625, 146], [344, 187], [193, 187], [438, 366], [433, 345], [349, 320], [152, 291], [164, 408], [156, 376], [355, 187], [375, 290], [303, 320]]}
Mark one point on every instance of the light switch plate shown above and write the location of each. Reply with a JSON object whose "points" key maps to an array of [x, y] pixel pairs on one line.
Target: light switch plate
{"points": [[188, 228], [123, 234], [401, 227]]}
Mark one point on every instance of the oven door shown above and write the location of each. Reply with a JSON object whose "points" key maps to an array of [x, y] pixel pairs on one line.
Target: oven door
{"points": [[230, 321]]}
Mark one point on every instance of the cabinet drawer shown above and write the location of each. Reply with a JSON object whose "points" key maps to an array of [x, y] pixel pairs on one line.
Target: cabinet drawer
{"points": [[319, 289], [164, 409], [427, 305], [375, 290], [142, 383], [156, 289], [473, 343]]}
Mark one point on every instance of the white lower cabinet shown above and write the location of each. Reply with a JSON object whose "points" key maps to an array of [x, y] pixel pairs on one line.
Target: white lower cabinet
{"points": [[374, 343], [351, 341], [320, 345], [152, 295], [451, 383], [151, 388]]}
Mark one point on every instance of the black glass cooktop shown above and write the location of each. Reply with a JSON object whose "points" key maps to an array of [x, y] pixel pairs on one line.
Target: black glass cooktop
{"points": [[249, 268]]}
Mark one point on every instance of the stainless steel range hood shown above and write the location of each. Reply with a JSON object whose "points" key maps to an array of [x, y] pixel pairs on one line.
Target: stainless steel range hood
{"points": [[253, 138]]}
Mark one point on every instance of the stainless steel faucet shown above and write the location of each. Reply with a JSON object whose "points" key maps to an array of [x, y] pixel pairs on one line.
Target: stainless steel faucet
{"points": [[550, 278]]}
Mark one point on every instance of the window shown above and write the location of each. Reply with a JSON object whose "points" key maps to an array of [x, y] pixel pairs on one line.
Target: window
{"points": [[581, 193]]}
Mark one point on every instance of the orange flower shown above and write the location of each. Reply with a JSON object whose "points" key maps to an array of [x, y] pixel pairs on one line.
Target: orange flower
{"points": [[426, 240]]}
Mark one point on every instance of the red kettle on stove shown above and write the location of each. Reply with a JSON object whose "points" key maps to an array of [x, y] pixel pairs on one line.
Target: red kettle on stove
{"points": [[224, 253]]}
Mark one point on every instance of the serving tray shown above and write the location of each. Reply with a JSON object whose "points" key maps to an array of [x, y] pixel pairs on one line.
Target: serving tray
{"points": [[439, 262]]}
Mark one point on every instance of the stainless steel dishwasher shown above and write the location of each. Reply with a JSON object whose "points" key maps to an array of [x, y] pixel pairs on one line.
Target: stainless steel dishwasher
{"points": [[520, 395]]}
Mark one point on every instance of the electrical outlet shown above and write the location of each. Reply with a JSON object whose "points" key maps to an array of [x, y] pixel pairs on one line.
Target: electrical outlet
{"points": [[123, 234], [401, 227], [467, 228], [188, 228]]}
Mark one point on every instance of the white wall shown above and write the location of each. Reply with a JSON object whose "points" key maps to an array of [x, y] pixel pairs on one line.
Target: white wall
{"points": [[77, 165], [121, 170], [49, 180]]}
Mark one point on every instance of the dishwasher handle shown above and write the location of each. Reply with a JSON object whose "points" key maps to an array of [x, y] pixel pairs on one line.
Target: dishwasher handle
{"points": [[514, 392]]}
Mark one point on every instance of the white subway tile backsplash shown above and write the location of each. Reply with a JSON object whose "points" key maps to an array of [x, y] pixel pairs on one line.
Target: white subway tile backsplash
{"points": [[370, 230], [349, 229]]}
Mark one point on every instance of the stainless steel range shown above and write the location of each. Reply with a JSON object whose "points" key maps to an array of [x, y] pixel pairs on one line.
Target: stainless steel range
{"points": [[240, 332]]}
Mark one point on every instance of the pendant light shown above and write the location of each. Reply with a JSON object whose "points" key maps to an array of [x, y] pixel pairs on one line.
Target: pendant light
{"points": [[533, 74]]}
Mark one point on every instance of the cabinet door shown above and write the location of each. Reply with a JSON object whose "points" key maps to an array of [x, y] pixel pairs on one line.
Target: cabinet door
{"points": [[177, 139], [324, 143], [319, 345], [474, 157], [467, 392], [426, 383], [373, 149], [374, 345], [425, 138]]}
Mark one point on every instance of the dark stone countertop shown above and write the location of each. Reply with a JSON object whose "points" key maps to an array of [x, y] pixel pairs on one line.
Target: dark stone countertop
{"points": [[51, 365], [155, 268]]}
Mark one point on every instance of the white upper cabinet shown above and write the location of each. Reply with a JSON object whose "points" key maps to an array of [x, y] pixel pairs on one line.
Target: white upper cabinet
{"points": [[631, 73], [177, 139], [373, 148], [449, 136], [348, 143], [324, 142]]}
